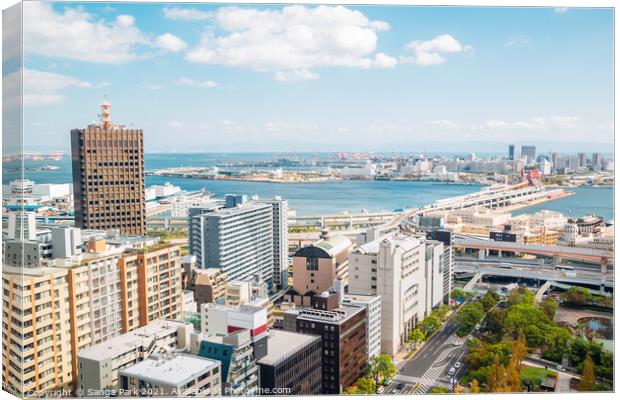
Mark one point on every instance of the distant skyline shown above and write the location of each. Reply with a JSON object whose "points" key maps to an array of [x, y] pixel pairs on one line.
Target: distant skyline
{"points": [[199, 77]]}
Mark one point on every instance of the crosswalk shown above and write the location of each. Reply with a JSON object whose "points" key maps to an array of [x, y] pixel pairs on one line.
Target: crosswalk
{"points": [[431, 376]]}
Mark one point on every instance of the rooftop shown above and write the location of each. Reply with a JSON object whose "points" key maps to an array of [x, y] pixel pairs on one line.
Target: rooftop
{"points": [[281, 344], [172, 369], [337, 315], [131, 340]]}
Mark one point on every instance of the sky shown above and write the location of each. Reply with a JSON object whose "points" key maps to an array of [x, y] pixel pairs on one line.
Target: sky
{"points": [[208, 78]]}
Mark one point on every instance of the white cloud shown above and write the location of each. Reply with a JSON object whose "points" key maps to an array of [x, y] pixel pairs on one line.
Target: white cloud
{"points": [[75, 34], [292, 40], [517, 41], [152, 86], [169, 42], [186, 14], [296, 75], [430, 52], [443, 123], [536, 123], [382, 60], [560, 10], [40, 87], [196, 84]]}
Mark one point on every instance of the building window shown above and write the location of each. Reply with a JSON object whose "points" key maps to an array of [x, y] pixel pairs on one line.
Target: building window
{"points": [[312, 264]]}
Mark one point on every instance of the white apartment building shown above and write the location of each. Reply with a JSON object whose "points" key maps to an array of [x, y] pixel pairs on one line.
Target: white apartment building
{"points": [[182, 203], [373, 320], [279, 208], [392, 267], [433, 274], [238, 239]]}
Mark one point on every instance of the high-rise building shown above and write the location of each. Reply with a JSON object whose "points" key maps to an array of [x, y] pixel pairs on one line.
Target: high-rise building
{"points": [[597, 161], [529, 153], [511, 151], [446, 238], [63, 309], [293, 362], [108, 176], [582, 159], [238, 239], [393, 267], [280, 240], [343, 332], [22, 226], [373, 320]]}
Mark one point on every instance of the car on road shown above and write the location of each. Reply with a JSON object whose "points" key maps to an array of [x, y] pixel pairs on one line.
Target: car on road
{"points": [[457, 343], [451, 371], [457, 365], [380, 389], [560, 368], [400, 386]]}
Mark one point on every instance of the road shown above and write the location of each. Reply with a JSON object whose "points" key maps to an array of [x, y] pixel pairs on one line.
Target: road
{"points": [[430, 365]]}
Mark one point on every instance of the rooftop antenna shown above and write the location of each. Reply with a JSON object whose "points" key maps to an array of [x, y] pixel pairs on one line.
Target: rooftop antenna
{"points": [[105, 112]]}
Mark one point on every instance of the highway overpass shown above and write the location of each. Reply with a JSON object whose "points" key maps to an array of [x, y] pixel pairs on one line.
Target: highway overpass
{"points": [[539, 274], [599, 256]]}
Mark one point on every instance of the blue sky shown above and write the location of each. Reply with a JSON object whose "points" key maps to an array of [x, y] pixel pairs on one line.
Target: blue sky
{"points": [[272, 78]]}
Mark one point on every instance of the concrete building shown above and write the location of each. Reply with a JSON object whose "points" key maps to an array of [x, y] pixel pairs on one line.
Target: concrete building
{"points": [[597, 161], [279, 208], [66, 242], [433, 275], [99, 365], [234, 351], [446, 237], [343, 333], [216, 319], [529, 153], [64, 308], [392, 267], [199, 199], [22, 226], [511, 152], [173, 375], [108, 176], [237, 239], [316, 267], [293, 362], [209, 285], [372, 304]]}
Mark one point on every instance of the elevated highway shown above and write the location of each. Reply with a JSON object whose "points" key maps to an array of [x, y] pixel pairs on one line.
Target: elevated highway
{"points": [[601, 256], [505, 197], [540, 274]]}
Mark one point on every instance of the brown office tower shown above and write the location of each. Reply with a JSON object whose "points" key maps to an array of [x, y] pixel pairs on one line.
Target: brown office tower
{"points": [[108, 176]]}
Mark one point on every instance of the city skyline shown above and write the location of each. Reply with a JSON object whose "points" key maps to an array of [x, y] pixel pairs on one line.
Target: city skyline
{"points": [[177, 72]]}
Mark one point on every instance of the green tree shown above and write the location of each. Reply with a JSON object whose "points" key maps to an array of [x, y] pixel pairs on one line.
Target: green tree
{"points": [[587, 376], [549, 307], [382, 366], [577, 296], [457, 294], [430, 325], [467, 317], [416, 336], [365, 385], [489, 300], [439, 389]]}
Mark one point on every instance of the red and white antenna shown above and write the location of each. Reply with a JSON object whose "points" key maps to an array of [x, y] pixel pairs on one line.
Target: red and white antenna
{"points": [[105, 112]]}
